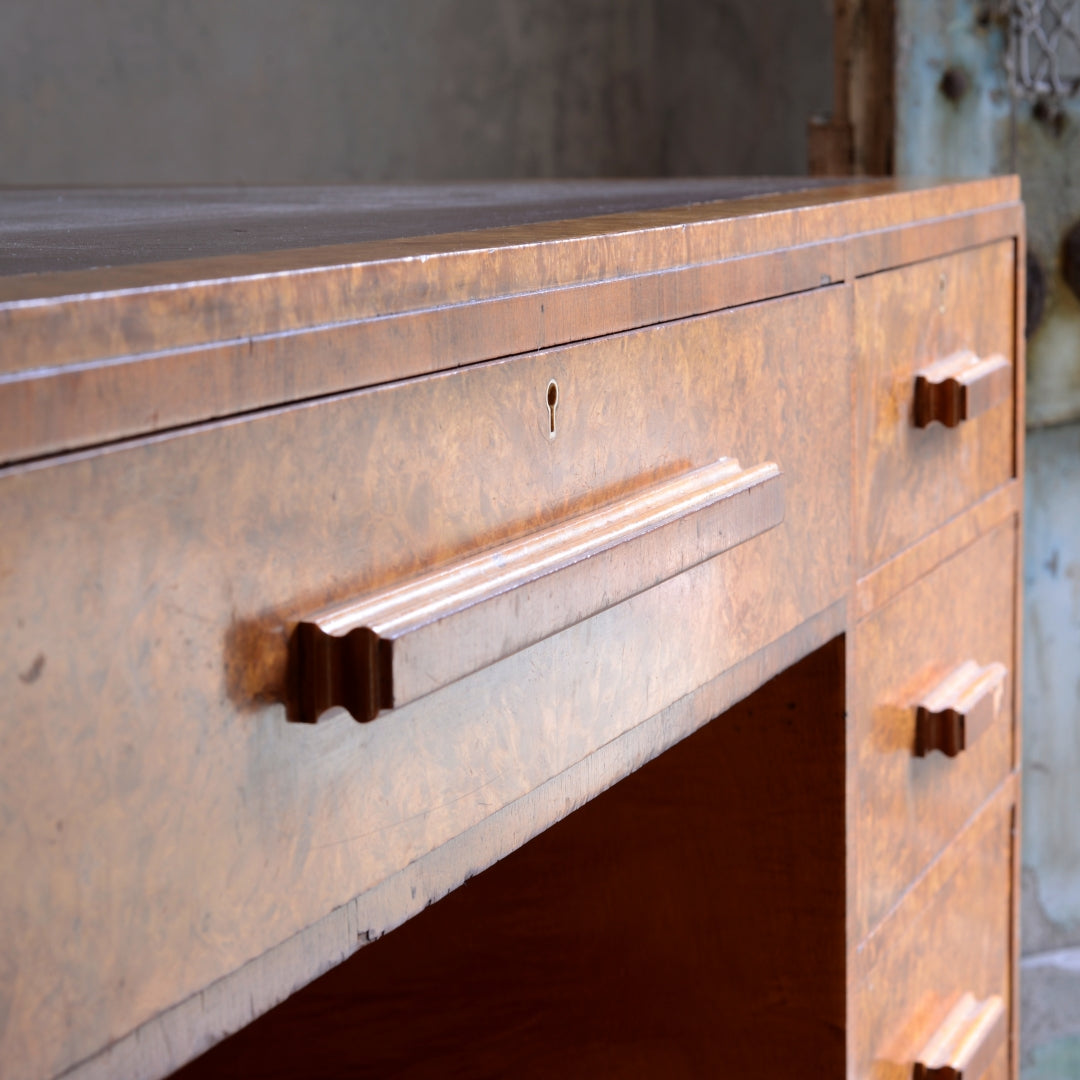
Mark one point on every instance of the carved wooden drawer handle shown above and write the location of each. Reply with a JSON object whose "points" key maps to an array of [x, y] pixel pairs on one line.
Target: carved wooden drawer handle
{"points": [[392, 647], [959, 709], [960, 387], [965, 1045]]}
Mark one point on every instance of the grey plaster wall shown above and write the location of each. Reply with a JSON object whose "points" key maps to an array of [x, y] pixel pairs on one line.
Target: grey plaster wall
{"points": [[1050, 903], [147, 91]]}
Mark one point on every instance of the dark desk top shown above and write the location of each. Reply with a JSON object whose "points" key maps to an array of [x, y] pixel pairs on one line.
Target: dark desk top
{"points": [[44, 231]]}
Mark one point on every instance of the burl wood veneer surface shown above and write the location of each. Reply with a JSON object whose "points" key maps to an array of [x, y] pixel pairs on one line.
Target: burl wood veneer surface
{"points": [[149, 590], [951, 936], [909, 808], [911, 480], [687, 923], [92, 356]]}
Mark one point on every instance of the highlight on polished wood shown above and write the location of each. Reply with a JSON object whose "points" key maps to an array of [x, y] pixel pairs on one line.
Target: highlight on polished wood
{"points": [[961, 387], [960, 709], [967, 1042], [397, 645]]}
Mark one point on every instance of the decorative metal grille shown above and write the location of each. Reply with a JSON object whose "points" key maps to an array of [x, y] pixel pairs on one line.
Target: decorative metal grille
{"points": [[1044, 48]]}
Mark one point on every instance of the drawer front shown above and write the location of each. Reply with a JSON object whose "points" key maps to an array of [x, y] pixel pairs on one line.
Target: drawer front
{"points": [[943, 646], [909, 478], [151, 589], [935, 981]]}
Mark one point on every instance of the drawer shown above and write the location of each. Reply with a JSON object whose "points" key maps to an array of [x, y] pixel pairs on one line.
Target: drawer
{"points": [[939, 655], [937, 974], [926, 319], [152, 589]]}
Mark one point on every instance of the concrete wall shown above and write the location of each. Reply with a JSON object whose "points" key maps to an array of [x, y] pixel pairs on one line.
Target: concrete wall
{"points": [[130, 91], [1050, 912]]}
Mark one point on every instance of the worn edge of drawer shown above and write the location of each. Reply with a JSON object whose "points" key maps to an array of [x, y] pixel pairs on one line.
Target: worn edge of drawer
{"points": [[189, 1028], [881, 584], [230, 350]]}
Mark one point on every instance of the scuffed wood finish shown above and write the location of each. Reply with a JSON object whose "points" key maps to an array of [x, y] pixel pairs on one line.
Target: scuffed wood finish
{"points": [[94, 356], [385, 650], [158, 583], [949, 938], [967, 1042], [961, 708], [909, 807], [909, 479], [667, 929], [960, 388]]}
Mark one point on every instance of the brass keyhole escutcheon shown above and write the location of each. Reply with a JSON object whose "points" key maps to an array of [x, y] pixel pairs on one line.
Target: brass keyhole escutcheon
{"points": [[552, 404]]}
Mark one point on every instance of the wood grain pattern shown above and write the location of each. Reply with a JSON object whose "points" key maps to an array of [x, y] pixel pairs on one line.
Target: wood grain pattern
{"points": [[948, 939], [884, 582], [640, 240], [178, 858], [910, 807], [181, 1032], [666, 929], [67, 406], [393, 647], [159, 581], [96, 356], [902, 245], [910, 480]]}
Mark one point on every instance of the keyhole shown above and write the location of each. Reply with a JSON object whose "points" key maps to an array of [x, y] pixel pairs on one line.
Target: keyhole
{"points": [[553, 404], [942, 282]]}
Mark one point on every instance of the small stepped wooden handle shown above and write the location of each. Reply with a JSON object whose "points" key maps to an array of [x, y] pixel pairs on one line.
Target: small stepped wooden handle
{"points": [[967, 1042], [394, 646], [960, 387], [959, 709]]}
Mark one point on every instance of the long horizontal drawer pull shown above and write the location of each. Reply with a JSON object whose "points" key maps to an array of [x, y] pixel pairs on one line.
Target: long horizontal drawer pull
{"points": [[965, 1045], [959, 709], [394, 646], [960, 387]]}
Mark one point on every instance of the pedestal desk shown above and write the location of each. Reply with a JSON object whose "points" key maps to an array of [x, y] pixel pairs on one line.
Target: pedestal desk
{"points": [[354, 539]]}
